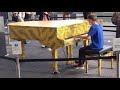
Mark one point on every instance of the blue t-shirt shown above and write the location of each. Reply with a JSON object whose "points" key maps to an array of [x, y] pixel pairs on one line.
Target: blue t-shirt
{"points": [[97, 39]]}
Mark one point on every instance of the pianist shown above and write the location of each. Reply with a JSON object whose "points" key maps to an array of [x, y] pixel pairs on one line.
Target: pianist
{"points": [[97, 41]]}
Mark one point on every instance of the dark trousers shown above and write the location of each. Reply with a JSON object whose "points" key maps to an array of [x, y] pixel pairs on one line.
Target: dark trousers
{"points": [[15, 18], [83, 52], [117, 34], [27, 17]]}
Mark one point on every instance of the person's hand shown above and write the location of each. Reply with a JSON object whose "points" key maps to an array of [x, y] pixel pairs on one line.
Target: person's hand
{"points": [[78, 36], [84, 35]]}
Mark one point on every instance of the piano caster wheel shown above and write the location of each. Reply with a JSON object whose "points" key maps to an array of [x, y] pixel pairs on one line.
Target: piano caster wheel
{"points": [[56, 72]]}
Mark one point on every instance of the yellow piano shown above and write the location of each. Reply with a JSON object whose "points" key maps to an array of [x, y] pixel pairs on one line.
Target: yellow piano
{"points": [[53, 34]]}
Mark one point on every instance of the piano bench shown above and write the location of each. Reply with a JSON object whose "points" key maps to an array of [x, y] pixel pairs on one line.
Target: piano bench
{"points": [[106, 51]]}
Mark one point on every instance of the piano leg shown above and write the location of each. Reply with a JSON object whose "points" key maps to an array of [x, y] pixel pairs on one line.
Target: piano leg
{"points": [[86, 42], [23, 49], [55, 63], [69, 54]]}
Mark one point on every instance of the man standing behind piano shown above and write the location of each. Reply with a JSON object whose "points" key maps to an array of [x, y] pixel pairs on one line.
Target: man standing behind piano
{"points": [[97, 40], [43, 16], [85, 14]]}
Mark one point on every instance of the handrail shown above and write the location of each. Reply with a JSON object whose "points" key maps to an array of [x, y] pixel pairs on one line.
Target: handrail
{"points": [[109, 30], [109, 26], [59, 59]]}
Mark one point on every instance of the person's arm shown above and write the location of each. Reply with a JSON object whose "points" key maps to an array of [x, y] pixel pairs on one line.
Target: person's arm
{"points": [[86, 36], [91, 32]]}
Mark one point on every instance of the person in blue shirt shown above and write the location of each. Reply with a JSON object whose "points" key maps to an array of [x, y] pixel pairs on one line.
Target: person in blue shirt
{"points": [[97, 40]]}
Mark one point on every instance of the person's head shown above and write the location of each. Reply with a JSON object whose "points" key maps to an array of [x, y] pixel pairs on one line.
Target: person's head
{"points": [[92, 18]]}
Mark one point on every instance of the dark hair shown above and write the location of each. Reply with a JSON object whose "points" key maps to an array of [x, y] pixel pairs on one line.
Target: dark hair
{"points": [[92, 16]]}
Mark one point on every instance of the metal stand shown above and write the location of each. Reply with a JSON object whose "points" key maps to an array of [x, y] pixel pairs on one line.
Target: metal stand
{"points": [[17, 66], [118, 64], [8, 37]]}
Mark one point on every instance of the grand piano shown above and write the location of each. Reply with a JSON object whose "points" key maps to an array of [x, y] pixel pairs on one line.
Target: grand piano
{"points": [[53, 34]]}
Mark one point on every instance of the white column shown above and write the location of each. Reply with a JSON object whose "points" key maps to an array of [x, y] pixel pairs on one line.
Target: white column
{"points": [[2, 28], [118, 64], [9, 16]]}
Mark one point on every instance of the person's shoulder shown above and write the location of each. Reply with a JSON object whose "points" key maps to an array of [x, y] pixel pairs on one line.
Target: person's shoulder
{"points": [[99, 27], [96, 26]]}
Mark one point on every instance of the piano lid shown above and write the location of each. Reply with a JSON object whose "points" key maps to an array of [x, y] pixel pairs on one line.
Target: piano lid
{"points": [[53, 34], [52, 24]]}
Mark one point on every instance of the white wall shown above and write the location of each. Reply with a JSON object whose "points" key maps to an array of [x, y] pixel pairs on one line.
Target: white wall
{"points": [[2, 28]]}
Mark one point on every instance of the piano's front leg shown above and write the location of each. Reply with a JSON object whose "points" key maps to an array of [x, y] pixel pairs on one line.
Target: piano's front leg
{"points": [[69, 54], [86, 42], [55, 63]]}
